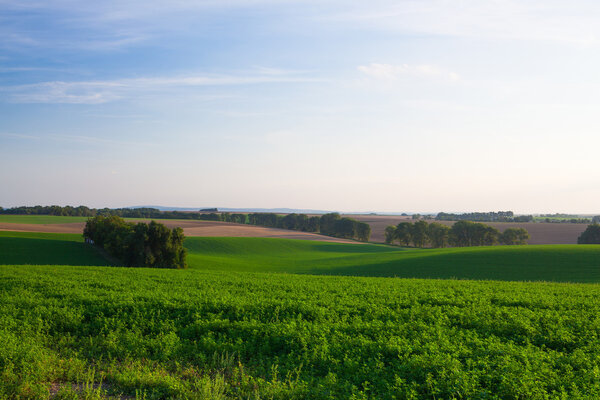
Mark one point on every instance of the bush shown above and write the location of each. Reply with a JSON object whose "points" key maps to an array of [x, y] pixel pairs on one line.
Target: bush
{"points": [[512, 236], [591, 235], [137, 245]]}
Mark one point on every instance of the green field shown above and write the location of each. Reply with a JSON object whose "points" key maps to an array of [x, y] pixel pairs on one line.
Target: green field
{"points": [[560, 263], [246, 322], [557, 263]]}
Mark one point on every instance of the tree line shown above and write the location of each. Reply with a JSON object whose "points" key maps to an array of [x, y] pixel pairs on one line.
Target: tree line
{"points": [[137, 245], [331, 224], [499, 216], [460, 234]]}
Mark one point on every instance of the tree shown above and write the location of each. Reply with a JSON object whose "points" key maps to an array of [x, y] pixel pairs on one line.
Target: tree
{"points": [[467, 233], [363, 231], [488, 235], [596, 219], [514, 236], [591, 235], [419, 233], [313, 224], [345, 228], [390, 234], [139, 245], [404, 233], [438, 234], [327, 223]]}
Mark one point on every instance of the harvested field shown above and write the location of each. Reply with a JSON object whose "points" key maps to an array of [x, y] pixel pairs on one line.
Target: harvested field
{"points": [[541, 233], [190, 228]]}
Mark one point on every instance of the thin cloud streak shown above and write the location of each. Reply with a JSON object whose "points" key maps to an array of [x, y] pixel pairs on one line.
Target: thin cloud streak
{"points": [[388, 72], [75, 139], [97, 92]]}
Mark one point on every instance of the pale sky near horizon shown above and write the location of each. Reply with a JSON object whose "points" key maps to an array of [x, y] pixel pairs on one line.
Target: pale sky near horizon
{"points": [[398, 106]]}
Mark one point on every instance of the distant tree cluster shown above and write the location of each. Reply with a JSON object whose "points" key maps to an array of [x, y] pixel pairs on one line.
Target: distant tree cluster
{"points": [[331, 224], [69, 211], [137, 245], [591, 235], [461, 234], [568, 220], [499, 216]]}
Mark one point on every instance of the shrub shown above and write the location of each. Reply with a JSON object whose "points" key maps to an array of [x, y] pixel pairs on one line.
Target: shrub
{"points": [[137, 245]]}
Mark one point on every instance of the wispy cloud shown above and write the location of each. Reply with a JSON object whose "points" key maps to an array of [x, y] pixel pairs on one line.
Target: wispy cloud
{"points": [[102, 91], [389, 72], [82, 139]]}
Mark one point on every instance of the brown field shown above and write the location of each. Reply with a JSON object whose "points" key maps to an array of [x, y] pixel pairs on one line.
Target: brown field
{"points": [[541, 233], [190, 228]]}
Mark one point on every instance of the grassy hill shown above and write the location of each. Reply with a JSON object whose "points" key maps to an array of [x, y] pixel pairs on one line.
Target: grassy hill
{"points": [[559, 263], [47, 249]]}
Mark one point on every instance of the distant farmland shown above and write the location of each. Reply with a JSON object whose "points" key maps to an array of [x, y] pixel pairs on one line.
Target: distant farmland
{"points": [[541, 233], [55, 224]]}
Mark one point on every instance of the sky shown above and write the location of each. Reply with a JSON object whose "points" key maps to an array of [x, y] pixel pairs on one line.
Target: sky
{"points": [[386, 106]]}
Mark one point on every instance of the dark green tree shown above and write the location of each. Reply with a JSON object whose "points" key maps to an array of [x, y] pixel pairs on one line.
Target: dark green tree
{"points": [[390, 234], [327, 223], [591, 235], [404, 233], [419, 233], [438, 234], [514, 236], [345, 228], [363, 231]]}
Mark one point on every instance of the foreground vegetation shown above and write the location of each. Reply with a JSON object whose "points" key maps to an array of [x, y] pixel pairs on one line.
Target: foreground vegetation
{"points": [[230, 327], [162, 334]]}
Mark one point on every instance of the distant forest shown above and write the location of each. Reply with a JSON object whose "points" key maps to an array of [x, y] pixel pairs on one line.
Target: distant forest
{"points": [[331, 224]]}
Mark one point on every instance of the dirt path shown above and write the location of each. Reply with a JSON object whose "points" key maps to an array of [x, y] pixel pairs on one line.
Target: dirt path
{"points": [[190, 228]]}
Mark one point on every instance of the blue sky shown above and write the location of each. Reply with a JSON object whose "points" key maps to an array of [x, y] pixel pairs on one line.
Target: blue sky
{"points": [[423, 105]]}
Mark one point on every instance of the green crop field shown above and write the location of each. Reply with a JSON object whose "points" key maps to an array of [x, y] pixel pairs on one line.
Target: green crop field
{"points": [[558, 263], [245, 321], [561, 263]]}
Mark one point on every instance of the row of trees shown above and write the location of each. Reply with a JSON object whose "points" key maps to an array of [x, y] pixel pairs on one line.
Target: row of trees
{"points": [[331, 224], [498, 216], [461, 234], [568, 221], [137, 245]]}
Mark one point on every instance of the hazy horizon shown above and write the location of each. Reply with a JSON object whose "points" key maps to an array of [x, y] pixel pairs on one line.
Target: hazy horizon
{"points": [[352, 106]]}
